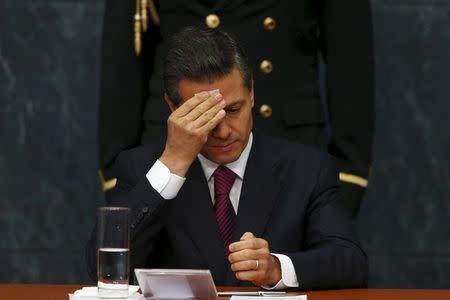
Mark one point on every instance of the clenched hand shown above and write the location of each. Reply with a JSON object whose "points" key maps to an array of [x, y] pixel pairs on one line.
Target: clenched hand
{"points": [[251, 260]]}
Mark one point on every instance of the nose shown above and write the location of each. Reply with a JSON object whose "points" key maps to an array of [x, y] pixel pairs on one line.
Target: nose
{"points": [[222, 130]]}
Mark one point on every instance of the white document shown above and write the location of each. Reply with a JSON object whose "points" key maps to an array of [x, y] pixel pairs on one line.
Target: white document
{"points": [[90, 293], [299, 297]]}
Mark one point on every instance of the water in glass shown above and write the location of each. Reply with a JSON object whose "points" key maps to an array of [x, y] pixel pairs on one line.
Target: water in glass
{"points": [[113, 268]]}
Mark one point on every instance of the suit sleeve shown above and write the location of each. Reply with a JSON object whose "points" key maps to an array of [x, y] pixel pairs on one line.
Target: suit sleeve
{"points": [[146, 206], [124, 80], [332, 257], [347, 47]]}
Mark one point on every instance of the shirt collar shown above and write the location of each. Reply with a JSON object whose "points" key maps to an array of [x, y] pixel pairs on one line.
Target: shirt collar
{"points": [[237, 166]]}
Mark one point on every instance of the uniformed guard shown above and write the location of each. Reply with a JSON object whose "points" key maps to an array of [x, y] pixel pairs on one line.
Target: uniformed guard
{"points": [[283, 39]]}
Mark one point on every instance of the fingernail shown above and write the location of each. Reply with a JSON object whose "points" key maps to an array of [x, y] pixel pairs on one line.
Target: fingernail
{"points": [[222, 104], [218, 97], [212, 92], [202, 94]]}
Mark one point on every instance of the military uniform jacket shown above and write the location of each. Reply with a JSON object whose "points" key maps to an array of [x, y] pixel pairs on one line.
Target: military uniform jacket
{"points": [[283, 40]]}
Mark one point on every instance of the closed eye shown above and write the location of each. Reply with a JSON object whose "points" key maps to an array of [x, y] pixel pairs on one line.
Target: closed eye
{"points": [[233, 109]]}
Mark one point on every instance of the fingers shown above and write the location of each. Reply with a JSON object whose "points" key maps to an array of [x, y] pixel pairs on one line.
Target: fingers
{"points": [[184, 129], [248, 243], [212, 101], [258, 271], [246, 265], [199, 104], [247, 235], [248, 248], [211, 124], [253, 276], [190, 104], [202, 113], [248, 254], [209, 115], [251, 260]]}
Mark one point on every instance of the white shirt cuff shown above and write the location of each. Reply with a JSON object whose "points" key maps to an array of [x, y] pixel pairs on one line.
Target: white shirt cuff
{"points": [[288, 275], [165, 183]]}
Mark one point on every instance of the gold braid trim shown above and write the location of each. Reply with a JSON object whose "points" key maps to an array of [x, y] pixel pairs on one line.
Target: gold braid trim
{"points": [[144, 15], [106, 184], [141, 21], [353, 179], [137, 29], [153, 12]]}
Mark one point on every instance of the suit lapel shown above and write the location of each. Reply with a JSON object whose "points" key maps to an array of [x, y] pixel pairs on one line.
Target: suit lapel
{"points": [[201, 222], [258, 195], [258, 192]]}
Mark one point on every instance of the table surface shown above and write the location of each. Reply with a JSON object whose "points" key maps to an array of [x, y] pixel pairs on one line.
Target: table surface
{"points": [[61, 291]]}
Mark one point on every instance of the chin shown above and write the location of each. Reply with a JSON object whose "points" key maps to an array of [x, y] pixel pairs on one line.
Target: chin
{"points": [[222, 158]]}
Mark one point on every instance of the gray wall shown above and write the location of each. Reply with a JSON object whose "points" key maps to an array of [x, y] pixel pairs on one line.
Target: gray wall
{"points": [[404, 219], [49, 76], [49, 53]]}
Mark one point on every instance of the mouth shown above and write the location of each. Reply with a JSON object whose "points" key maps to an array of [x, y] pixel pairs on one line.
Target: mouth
{"points": [[224, 147]]}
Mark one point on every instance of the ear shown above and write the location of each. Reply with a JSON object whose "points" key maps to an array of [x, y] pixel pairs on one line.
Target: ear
{"points": [[169, 102], [252, 94]]}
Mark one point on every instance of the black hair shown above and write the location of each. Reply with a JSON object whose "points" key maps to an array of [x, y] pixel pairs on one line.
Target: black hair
{"points": [[202, 55]]}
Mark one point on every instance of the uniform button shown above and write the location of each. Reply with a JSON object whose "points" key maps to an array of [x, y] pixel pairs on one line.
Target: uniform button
{"points": [[265, 111], [212, 21], [269, 23], [266, 66]]}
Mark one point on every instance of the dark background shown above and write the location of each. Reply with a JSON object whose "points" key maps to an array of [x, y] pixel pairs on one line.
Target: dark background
{"points": [[49, 78]]}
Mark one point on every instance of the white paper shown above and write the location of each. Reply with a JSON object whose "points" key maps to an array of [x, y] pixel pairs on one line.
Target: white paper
{"points": [[90, 293], [298, 297]]}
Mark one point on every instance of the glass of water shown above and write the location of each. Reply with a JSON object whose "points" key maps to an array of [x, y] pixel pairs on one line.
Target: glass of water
{"points": [[113, 261]]}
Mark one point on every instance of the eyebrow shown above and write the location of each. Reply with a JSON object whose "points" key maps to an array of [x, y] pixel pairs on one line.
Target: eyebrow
{"points": [[234, 102]]}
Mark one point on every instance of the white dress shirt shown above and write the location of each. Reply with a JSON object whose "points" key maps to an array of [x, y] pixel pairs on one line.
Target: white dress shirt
{"points": [[168, 185]]}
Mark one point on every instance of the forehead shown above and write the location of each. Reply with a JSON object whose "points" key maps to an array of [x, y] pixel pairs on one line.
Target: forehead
{"points": [[230, 85]]}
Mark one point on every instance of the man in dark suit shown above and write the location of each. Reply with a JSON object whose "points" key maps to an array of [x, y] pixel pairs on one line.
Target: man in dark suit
{"points": [[217, 195], [283, 40]]}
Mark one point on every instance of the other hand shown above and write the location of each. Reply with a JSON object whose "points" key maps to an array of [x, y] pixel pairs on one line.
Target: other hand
{"points": [[251, 260]]}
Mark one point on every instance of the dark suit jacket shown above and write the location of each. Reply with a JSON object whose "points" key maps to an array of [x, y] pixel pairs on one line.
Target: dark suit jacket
{"points": [[290, 197], [131, 106]]}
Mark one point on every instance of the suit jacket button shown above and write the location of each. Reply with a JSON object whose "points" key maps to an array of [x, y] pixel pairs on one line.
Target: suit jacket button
{"points": [[269, 23], [265, 111], [212, 21], [145, 210], [266, 66]]}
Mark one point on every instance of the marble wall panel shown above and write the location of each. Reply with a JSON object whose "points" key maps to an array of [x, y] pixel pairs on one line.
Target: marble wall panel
{"points": [[48, 89], [404, 218]]}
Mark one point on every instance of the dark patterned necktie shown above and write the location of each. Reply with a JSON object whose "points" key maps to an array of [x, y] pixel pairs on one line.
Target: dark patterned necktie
{"points": [[225, 215]]}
